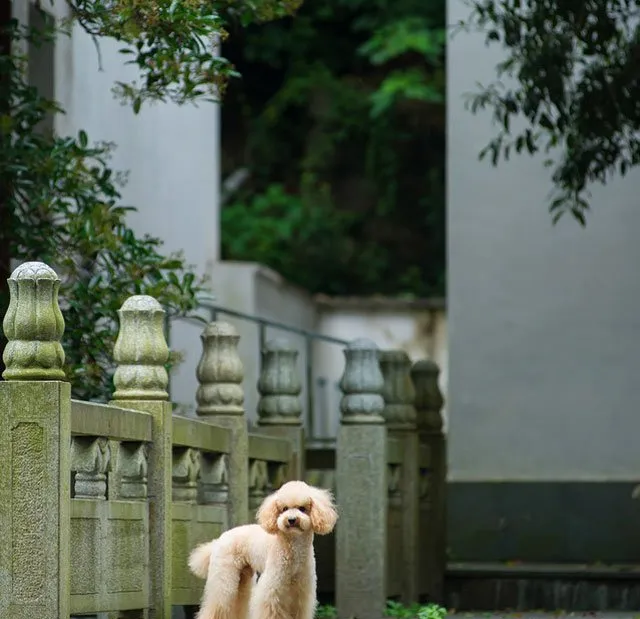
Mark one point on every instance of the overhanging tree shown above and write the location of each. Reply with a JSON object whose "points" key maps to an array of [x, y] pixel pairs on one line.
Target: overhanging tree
{"points": [[60, 200], [571, 70]]}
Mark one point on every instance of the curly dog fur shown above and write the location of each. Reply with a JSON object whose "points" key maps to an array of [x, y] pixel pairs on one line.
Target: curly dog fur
{"points": [[279, 549]]}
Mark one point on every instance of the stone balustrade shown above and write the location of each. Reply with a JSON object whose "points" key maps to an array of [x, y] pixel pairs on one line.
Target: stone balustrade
{"points": [[103, 502]]}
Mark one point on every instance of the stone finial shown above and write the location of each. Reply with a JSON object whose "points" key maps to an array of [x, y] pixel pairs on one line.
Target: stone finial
{"points": [[398, 392], [220, 372], [279, 385], [33, 325], [141, 351], [428, 400], [362, 384]]}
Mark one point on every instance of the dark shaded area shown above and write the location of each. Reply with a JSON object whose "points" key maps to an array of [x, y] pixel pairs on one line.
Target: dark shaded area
{"points": [[543, 522], [363, 205]]}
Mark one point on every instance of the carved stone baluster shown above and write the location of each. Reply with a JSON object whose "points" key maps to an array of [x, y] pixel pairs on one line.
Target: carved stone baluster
{"points": [[132, 470], [186, 470], [220, 400], [214, 479], [90, 460]]}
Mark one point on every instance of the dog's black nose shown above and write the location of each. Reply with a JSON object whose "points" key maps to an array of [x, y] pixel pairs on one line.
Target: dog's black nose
{"points": [[292, 521]]}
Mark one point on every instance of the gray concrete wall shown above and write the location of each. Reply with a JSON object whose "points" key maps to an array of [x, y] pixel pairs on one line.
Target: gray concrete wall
{"points": [[544, 330]]}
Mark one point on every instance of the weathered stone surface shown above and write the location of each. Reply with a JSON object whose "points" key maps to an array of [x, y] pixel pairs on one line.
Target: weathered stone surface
{"points": [[220, 401], [279, 407], [186, 472], [141, 351], [398, 391], [362, 384], [220, 372], [90, 461], [35, 498], [400, 416], [279, 385], [214, 480], [361, 487], [160, 494], [33, 325], [132, 470], [361, 533], [428, 397], [433, 507]]}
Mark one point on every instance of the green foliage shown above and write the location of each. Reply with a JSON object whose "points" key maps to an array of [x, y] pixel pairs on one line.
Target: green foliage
{"points": [[415, 611], [340, 114], [395, 609], [60, 198], [65, 211], [171, 42], [570, 71]]}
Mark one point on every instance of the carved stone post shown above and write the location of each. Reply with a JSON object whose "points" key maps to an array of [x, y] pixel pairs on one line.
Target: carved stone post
{"points": [[35, 413], [279, 407], [400, 415], [361, 487], [140, 381], [433, 507], [220, 400]]}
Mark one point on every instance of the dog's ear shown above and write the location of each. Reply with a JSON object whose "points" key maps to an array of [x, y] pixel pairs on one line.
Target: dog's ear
{"points": [[267, 515], [323, 511]]}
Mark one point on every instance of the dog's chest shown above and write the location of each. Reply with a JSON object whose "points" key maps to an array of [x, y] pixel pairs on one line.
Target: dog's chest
{"points": [[291, 598]]}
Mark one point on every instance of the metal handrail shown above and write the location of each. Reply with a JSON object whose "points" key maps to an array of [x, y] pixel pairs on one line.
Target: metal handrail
{"points": [[263, 323]]}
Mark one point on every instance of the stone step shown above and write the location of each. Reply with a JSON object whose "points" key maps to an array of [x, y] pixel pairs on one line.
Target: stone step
{"points": [[546, 587]]}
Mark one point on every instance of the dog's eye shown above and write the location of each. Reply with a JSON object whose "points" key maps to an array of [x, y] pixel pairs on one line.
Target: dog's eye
{"points": [[303, 509], [284, 509]]}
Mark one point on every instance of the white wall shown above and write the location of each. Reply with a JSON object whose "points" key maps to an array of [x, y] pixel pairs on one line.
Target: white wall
{"points": [[418, 328], [171, 154], [544, 321]]}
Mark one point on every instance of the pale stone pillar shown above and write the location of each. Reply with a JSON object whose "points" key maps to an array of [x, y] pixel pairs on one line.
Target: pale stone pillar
{"points": [[433, 504], [35, 434], [220, 400], [141, 381], [361, 487], [279, 407], [400, 416]]}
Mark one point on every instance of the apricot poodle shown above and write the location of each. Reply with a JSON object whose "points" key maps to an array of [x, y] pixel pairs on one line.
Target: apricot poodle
{"points": [[267, 570]]}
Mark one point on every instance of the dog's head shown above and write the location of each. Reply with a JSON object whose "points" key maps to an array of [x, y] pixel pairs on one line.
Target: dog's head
{"points": [[298, 507]]}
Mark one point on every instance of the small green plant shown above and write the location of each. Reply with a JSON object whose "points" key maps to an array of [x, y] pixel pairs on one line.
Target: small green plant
{"points": [[415, 611], [432, 611], [395, 609]]}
